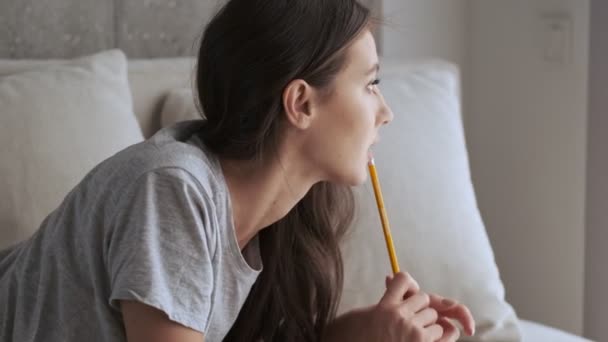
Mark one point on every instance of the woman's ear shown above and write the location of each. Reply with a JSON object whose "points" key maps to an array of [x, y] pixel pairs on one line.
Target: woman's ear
{"points": [[297, 98]]}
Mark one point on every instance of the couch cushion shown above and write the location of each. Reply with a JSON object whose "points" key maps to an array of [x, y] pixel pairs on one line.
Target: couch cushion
{"points": [[58, 121], [149, 81], [178, 105]]}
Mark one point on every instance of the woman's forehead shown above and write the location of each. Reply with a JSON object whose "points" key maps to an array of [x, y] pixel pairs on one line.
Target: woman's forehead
{"points": [[362, 54]]}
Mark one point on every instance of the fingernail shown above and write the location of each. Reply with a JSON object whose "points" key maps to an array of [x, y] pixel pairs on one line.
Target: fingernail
{"points": [[447, 302]]}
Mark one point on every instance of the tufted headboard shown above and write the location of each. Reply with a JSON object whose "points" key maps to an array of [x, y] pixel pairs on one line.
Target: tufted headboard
{"points": [[43, 29]]}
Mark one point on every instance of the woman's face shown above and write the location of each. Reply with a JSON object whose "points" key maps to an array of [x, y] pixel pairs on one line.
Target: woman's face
{"points": [[347, 122]]}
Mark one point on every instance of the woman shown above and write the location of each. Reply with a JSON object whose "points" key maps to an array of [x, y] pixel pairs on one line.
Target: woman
{"points": [[165, 241]]}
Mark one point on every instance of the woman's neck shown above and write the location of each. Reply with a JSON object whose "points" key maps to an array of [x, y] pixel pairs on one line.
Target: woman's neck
{"points": [[262, 194]]}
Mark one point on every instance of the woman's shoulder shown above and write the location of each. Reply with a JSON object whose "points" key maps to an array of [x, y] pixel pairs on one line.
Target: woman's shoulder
{"points": [[176, 147], [173, 154]]}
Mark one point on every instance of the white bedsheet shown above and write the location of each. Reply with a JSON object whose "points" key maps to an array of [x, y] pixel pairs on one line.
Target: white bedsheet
{"points": [[536, 332]]}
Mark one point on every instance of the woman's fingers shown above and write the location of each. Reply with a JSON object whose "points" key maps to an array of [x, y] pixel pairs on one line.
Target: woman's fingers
{"points": [[397, 287], [425, 317], [451, 309], [430, 311], [435, 332], [415, 287], [416, 302], [450, 331]]}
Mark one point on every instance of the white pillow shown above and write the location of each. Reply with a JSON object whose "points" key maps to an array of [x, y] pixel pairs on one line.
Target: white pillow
{"points": [[58, 121], [436, 226], [178, 106]]}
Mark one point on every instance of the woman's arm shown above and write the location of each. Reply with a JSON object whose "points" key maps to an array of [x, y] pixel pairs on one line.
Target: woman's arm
{"points": [[144, 323]]}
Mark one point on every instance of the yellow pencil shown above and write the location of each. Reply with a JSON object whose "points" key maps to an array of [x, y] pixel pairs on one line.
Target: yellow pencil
{"points": [[383, 217]]}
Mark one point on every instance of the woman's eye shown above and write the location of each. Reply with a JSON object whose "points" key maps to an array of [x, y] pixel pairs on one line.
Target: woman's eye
{"points": [[373, 84]]}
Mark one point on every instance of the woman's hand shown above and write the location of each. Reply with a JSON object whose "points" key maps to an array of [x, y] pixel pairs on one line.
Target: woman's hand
{"points": [[450, 309], [393, 319], [446, 309], [404, 314]]}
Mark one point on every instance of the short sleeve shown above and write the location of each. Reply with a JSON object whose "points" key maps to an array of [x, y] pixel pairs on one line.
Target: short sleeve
{"points": [[160, 247]]}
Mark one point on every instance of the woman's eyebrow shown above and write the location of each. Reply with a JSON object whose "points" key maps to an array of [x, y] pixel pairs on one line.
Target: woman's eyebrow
{"points": [[375, 68]]}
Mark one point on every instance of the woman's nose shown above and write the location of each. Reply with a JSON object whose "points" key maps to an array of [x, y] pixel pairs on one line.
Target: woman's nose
{"points": [[386, 114]]}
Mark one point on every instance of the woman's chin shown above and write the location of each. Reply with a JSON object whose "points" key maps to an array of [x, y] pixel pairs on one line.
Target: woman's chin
{"points": [[356, 178]]}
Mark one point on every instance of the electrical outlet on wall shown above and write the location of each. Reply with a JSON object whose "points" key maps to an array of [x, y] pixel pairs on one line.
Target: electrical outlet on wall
{"points": [[556, 37]]}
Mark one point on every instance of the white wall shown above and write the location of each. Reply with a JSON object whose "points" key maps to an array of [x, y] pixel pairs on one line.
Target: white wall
{"points": [[526, 129], [596, 277], [416, 29]]}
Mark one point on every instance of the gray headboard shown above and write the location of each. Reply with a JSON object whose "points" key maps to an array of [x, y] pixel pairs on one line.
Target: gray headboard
{"points": [[68, 28]]}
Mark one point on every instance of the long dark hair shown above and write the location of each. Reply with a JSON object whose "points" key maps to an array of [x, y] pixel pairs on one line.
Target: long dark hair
{"points": [[248, 54]]}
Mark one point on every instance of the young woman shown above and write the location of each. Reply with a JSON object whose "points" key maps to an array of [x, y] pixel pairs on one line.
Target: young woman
{"points": [[228, 229]]}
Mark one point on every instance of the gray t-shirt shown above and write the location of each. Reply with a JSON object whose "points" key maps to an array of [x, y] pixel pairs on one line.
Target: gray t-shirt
{"points": [[153, 224]]}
